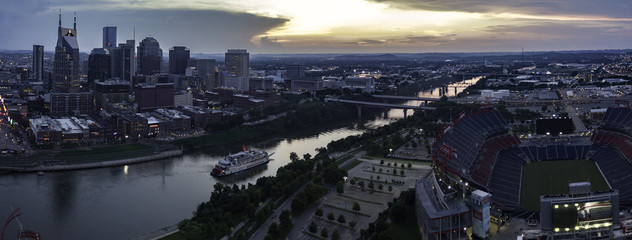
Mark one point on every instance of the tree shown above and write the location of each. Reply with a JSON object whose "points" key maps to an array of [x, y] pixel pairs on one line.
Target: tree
{"points": [[380, 170], [377, 177], [382, 162], [330, 216], [380, 187], [401, 172], [319, 212], [390, 188], [307, 156], [312, 227], [352, 181], [323, 233], [341, 218], [251, 210], [340, 187], [544, 107], [371, 185], [388, 164], [410, 165], [335, 235], [352, 224], [373, 168], [274, 231], [293, 157], [361, 184], [394, 164], [284, 218], [356, 206]]}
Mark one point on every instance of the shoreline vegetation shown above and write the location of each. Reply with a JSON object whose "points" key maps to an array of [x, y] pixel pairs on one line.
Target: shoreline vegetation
{"points": [[314, 113], [217, 217]]}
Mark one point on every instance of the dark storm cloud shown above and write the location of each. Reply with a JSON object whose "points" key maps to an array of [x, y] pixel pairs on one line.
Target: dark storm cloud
{"points": [[201, 30], [269, 43], [610, 8]]}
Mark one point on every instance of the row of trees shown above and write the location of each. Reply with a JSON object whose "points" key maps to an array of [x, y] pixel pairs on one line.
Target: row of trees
{"points": [[401, 211]]}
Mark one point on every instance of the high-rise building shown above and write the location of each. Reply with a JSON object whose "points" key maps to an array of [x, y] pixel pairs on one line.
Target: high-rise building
{"points": [[178, 58], [205, 70], [237, 62], [124, 60], [71, 103], [153, 96], [295, 71], [99, 66], [66, 63], [109, 37], [38, 62], [149, 56]]}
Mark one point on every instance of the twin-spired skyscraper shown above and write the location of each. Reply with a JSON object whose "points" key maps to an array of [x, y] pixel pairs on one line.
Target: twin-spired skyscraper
{"points": [[66, 65]]}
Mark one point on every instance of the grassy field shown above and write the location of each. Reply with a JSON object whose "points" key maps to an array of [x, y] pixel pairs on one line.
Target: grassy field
{"points": [[106, 153], [552, 177]]}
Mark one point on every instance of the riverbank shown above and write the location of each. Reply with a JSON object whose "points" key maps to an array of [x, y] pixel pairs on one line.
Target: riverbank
{"points": [[112, 163]]}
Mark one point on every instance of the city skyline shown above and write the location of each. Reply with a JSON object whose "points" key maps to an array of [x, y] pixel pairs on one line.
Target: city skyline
{"points": [[358, 26]]}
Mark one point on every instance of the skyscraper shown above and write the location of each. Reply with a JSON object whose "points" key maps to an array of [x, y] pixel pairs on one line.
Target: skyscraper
{"points": [[237, 62], [124, 60], [66, 63], [178, 59], [149, 56], [38, 62], [109, 37], [295, 71], [99, 66]]}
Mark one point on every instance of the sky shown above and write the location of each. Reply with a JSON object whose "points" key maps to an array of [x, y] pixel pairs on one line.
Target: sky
{"points": [[328, 26]]}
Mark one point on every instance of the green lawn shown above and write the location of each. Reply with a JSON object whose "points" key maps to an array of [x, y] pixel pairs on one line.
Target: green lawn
{"points": [[106, 153], [552, 177]]}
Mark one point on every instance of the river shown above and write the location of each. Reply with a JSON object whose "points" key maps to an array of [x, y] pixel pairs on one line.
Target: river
{"points": [[129, 201]]}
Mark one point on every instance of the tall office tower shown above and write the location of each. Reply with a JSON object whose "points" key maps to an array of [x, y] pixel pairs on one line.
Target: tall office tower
{"points": [[99, 66], [295, 71], [38, 62], [66, 63], [109, 37], [178, 58], [237, 62], [205, 70], [149, 56], [128, 65]]}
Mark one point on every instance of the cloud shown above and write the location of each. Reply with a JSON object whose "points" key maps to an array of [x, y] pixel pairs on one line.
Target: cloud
{"points": [[268, 43], [207, 31], [611, 8]]}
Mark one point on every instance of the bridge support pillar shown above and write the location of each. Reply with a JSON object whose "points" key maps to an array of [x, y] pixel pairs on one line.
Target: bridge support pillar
{"points": [[359, 112], [405, 112]]}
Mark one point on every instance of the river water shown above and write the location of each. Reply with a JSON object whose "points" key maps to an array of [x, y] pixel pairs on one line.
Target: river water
{"points": [[129, 201]]}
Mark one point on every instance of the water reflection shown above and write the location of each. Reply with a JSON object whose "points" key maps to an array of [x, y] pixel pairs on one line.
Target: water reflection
{"points": [[109, 203], [64, 188]]}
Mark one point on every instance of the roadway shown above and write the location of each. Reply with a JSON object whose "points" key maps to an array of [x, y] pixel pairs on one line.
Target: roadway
{"points": [[406, 98], [379, 105]]}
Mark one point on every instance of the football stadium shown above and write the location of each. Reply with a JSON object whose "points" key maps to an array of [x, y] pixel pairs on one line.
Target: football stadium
{"points": [[566, 185]]}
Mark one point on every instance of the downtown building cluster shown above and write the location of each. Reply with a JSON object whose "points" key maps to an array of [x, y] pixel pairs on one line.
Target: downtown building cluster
{"points": [[123, 89], [128, 91]]}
